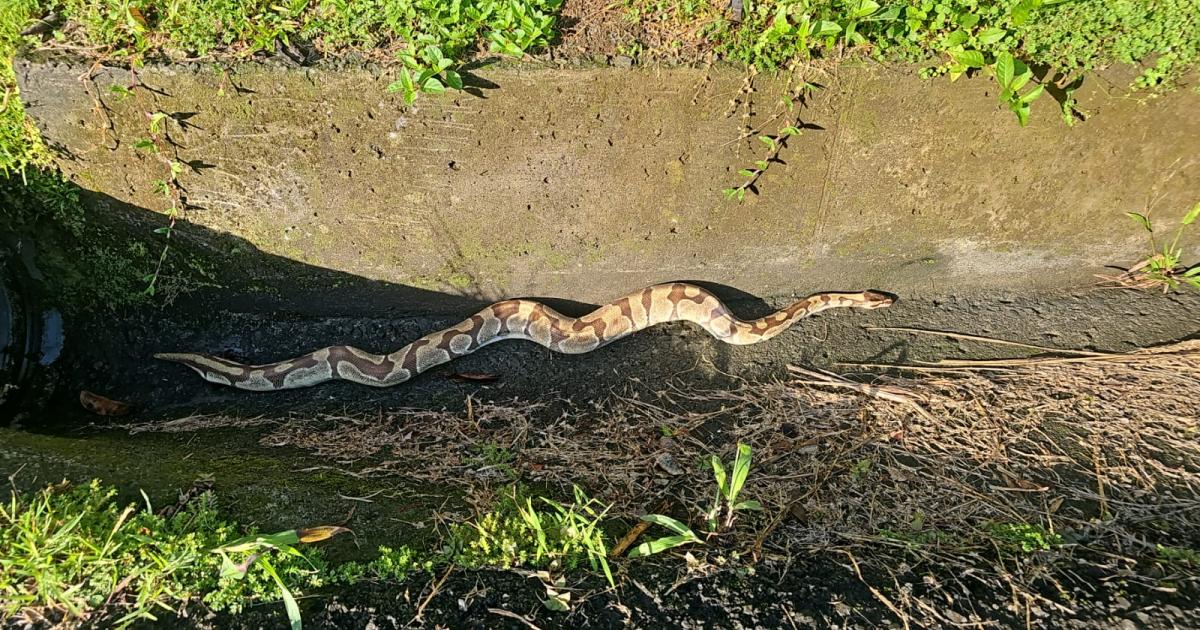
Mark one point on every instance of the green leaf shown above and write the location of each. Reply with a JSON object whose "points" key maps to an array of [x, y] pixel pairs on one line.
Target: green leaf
{"points": [[1192, 215], [865, 8], [1140, 219], [990, 36], [669, 523], [729, 193], [156, 120], [1004, 69], [258, 541], [969, 58], [824, 28], [1032, 95], [761, 165], [957, 38], [768, 140], [289, 602], [454, 80], [659, 545], [228, 568], [1194, 271], [719, 470], [790, 130], [433, 86], [741, 469], [145, 144], [1022, 74], [747, 173], [1021, 12], [1022, 112], [748, 505]]}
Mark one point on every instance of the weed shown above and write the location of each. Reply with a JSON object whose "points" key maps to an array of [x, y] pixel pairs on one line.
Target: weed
{"points": [[391, 565], [549, 535], [719, 517], [1068, 39], [20, 144], [162, 148], [1164, 267], [1178, 555], [1012, 74], [70, 553], [728, 488], [683, 535], [774, 144], [1022, 537]]}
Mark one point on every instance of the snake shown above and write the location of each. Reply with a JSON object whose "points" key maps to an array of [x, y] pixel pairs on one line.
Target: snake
{"points": [[521, 319]]}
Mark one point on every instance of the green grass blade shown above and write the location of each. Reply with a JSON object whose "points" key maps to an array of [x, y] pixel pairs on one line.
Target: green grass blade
{"points": [[660, 545], [669, 523]]}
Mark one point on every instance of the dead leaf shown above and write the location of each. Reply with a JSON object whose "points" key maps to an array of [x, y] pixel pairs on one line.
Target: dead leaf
{"points": [[319, 533], [102, 406], [473, 377]]}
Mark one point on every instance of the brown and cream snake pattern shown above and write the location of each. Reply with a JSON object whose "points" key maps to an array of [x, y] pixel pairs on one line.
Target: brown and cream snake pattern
{"points": [[522, 319]]}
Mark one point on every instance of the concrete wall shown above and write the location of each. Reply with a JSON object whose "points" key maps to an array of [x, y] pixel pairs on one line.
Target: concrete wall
{"points": [[589, 183]]}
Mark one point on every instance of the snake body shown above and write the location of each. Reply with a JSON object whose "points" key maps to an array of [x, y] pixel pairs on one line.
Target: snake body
{"points": [[521, 319]]}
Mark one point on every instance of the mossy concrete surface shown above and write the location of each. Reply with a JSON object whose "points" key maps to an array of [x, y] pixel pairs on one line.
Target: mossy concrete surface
{"points": [[587, 183]]}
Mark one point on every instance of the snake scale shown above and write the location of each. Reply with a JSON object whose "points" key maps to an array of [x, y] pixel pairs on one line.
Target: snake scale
{"points": [[522, 319]]}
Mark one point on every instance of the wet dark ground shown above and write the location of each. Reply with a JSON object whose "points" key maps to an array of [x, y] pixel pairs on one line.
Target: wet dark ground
{"points": [[116, 360]]}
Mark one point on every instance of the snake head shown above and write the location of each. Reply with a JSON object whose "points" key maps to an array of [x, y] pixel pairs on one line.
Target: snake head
{"points": [[875, 299]]}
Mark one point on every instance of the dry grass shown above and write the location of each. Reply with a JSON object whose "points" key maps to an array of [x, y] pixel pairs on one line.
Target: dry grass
{"points": [[904, 474]]}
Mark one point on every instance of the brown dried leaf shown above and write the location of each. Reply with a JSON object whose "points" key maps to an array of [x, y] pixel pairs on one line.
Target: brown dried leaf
{"points": [[476, 377], [319, 533], [102, 406]]}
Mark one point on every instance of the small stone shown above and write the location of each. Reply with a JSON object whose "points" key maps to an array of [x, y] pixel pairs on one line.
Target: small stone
{"points": [[623, 61]]}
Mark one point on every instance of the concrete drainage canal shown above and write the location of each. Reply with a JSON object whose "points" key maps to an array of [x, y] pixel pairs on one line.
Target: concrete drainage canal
{"points": [[905, 361]]}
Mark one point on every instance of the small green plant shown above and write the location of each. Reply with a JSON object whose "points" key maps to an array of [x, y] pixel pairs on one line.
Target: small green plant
{"points": [[1178, 555], [67, 553], [1164, 267], [1022, 537], [774, 145], [726, 505], [1012, 75], [549, 535], [683, 535], [391, 565], [159, 145], [719, 517]]}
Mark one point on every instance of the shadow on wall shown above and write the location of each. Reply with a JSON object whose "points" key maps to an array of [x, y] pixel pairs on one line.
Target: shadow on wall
{"points": [[220, 294]]}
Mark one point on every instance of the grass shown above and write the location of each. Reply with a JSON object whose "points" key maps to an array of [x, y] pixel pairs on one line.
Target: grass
{"points": [[69, 554], [21, 146]]}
